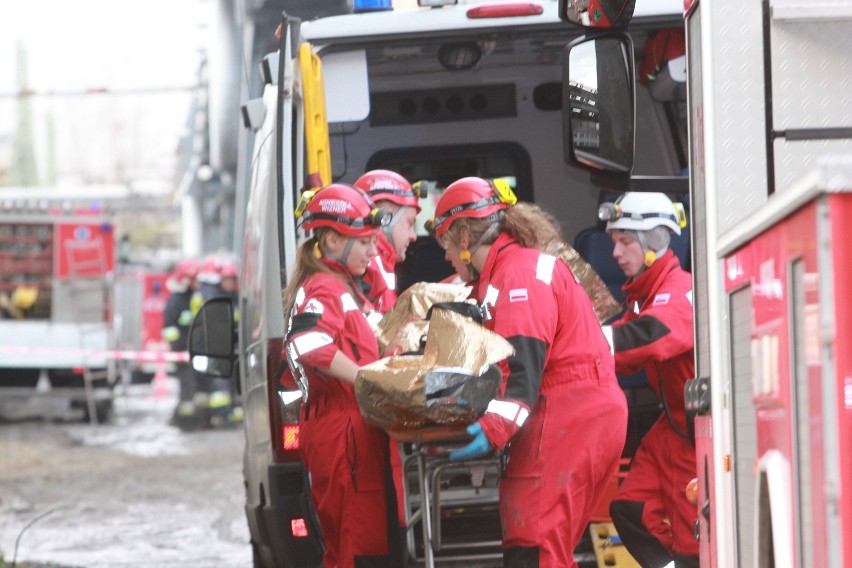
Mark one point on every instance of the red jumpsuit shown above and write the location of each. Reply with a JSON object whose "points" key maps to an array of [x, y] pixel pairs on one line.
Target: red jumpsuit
{"points": [[562, 459], [381, 279], [381, 276], [656, 334], [346, 457]]}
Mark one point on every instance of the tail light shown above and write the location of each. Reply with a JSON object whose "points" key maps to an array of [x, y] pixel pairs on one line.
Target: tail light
{"points": [[284, 404], [299, 528]]}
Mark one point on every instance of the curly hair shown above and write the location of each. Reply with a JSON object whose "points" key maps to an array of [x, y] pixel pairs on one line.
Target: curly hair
{"points": [[527, 223]]}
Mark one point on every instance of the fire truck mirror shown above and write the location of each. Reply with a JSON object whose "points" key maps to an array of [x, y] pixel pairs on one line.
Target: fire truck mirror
{"points": [[211, 338], [597, 103]]}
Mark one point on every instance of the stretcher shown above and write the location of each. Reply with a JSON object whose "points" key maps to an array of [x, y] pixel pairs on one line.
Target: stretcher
{"points": [[451, 508]]}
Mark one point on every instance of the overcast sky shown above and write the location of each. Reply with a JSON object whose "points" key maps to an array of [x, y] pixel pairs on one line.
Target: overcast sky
{"points": [[96, 43], [117, 45]]}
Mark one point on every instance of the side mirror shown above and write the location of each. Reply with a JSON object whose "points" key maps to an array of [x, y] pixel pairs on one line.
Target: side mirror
{"points": [[598, 105], [606, 14], [211, 338]]}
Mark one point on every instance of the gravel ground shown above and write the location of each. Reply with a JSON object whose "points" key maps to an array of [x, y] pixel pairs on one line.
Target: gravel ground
{"points": [[134, 492]]}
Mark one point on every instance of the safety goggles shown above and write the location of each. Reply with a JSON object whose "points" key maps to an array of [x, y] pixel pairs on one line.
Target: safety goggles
{"points": [[378, 217], [418, 190], [614, 212], [502, 194]]}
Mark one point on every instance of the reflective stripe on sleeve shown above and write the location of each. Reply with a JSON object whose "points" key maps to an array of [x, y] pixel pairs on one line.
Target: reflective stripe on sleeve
{"points": [[310, 341], [348, 302], [300, 297], [544, 268], [511, 411], [607, 331], [390, 277], [491, 295]]}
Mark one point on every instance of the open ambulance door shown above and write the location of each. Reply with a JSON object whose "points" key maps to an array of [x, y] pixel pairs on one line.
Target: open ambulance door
{"points": [[599, 99]]}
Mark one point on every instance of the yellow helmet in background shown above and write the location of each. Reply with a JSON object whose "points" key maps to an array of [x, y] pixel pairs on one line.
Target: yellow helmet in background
{"points": [[24, 297]]}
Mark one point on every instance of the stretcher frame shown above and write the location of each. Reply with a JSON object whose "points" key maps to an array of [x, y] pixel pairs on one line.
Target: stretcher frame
{"points": [[430, 465]]}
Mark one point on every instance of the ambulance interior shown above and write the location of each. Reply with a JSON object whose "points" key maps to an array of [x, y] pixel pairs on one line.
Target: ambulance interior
{"points": [[489, 105]]}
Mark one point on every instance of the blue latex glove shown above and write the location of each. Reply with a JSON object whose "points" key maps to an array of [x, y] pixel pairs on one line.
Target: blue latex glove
{"points": [[477, 448]]}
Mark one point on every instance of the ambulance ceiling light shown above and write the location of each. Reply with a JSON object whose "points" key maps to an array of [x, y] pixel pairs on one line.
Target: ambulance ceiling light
{"points": [[372, 5]]}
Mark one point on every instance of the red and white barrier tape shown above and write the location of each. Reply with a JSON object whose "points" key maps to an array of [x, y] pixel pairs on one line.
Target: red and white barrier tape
{"points": [[125, 355]]}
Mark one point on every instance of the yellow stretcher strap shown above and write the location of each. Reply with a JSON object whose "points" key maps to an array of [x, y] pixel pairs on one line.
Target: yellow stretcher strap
{"points": [[316, 123]]}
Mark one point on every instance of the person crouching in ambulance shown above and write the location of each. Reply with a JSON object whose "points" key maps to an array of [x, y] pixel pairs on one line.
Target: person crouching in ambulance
{"points": [[328, 339], [560, 416], [650, 511]]}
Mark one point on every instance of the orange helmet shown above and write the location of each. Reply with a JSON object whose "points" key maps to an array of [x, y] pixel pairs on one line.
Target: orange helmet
{"points": [[471, 197], [383, 185], [341, 207]]}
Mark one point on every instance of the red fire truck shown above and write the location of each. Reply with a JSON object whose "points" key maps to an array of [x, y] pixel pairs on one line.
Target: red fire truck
{"points": [[770, 158], [56, 270], [140, 297]]}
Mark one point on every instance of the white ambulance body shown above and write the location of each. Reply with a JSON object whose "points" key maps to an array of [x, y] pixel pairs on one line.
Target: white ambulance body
{"points": [[435, 94]]}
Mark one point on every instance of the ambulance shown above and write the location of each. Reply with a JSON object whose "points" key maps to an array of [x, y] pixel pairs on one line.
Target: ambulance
{"points": [[447, 90]]}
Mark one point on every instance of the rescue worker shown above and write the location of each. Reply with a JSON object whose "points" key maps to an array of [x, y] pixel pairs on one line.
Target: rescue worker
{"points": [[328, 338], [389, 190], [650, 510], [561, 417], [177, 317], [215, 396]]}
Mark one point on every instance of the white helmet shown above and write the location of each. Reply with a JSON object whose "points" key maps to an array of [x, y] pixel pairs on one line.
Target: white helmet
{"points": [[640, 211]]}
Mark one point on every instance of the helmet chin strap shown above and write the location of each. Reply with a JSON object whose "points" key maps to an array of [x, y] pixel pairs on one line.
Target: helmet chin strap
{"points": [[651, 255], [387, 230], [341, 260], [466, 256]]}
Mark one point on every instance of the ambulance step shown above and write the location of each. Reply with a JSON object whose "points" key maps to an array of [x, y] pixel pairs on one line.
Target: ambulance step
{"points": [[609, 551]]}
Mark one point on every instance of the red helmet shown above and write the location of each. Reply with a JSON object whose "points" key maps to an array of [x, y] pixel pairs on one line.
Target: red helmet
{"points": [[383, 185], [210, 271], [228, 269], [341, 207], [186, 269], [471, 197]]}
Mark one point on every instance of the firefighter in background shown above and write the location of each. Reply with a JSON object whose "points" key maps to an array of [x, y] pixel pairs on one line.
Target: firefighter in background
{"points": [[215, 398], [328, 338], [560, 418], [21, 303], [650, 510], [229, 287], [389, 190], [177, 317]]}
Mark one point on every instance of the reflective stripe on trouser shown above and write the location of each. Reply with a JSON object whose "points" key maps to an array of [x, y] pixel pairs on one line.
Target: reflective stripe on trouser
{"points": [[559, 467], [347, 460]]}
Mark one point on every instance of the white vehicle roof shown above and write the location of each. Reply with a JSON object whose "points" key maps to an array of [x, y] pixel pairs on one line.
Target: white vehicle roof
{"points": [[450, 18]]}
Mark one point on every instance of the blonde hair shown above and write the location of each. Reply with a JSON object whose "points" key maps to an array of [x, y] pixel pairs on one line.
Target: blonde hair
{"points": [[527, 223], [308, 263]]}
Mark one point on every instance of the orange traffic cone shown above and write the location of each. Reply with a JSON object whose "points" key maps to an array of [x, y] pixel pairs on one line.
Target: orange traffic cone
{"points": [[160, 382]]}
